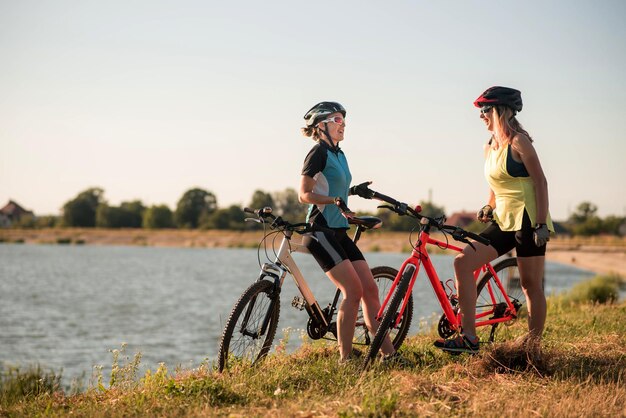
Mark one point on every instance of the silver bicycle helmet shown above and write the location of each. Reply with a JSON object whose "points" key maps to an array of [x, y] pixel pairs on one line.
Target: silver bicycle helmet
{"points": [[321, 110]]}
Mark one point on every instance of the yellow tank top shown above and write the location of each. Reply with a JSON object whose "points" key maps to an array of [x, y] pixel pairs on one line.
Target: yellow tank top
{"points": [[513, 194]]}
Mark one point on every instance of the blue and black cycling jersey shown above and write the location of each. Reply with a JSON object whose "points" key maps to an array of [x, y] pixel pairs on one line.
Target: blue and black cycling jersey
{"points": [[330, 170]]}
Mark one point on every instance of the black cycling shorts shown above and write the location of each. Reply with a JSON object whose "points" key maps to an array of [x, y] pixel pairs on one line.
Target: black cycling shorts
{"points": [[523, 240], [331, 246]]}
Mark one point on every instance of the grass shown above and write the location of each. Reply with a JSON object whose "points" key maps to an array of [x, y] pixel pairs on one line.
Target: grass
{"points": [[580, 371]]}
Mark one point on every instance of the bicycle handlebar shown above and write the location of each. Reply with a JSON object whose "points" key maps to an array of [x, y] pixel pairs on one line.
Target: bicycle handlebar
{"points": [[265, 215], [459, 234]]}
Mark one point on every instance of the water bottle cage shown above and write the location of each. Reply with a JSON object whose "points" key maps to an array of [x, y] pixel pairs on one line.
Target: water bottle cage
{"points": [[452, 292]]}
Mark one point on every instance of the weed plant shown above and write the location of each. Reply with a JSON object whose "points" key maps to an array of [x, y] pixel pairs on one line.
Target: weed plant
{"points": [[600, 289]]}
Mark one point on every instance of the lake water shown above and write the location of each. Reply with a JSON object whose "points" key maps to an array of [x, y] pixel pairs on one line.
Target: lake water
{"points": [[66, 307]]}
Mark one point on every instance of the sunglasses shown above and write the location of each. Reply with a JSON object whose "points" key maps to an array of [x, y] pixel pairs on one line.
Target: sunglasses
{"points": [[337, 119], [485, 109]]}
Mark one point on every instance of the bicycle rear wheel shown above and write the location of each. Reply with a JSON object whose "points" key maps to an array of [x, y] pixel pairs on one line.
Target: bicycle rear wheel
{"points": [[251, 327], [384, 277], [491, 303], [389, 317]]}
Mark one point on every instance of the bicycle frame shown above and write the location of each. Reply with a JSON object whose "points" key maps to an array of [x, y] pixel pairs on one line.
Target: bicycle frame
{"points": [[419, 256], [284, 264]]}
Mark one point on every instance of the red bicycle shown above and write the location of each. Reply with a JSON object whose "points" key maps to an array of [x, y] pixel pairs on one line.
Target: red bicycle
{"points": [[500, 297]]}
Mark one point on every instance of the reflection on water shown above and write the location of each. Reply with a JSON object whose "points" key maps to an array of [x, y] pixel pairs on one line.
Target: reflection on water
{"points": [[65, 307]]}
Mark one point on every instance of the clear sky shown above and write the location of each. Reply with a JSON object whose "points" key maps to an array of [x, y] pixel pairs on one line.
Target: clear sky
{"points": [[147, 99]]}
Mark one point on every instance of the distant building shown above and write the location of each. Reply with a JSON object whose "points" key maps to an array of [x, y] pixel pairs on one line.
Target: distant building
{"points": [[461, 219], [11, 213]]}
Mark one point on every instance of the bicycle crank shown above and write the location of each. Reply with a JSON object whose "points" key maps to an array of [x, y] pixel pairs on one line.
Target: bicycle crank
{"points": [[315, 329], [443, 328]]}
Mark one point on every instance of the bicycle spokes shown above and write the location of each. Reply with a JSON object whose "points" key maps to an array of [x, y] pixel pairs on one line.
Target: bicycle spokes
{"points": [[255, 321]]}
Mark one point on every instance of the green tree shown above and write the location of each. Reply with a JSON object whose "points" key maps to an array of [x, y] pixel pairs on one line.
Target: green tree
{"points": [[585, 221], [127, 215], [431, 210], [289, 207], [584, 212], [592, 226], [47, 221], [108, 216], [195, 203], [81, 211], [613, 224], [158, 217], [261, 199], [132, 213], [228, 218]]}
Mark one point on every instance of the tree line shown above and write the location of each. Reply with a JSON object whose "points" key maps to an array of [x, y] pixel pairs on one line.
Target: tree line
{"points": [[198, 209]]}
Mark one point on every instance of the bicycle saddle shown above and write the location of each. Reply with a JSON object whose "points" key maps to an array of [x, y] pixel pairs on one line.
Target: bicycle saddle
{"points": [[366, 222]]}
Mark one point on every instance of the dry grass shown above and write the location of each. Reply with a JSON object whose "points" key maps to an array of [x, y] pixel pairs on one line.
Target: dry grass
{"points": [[579, 370], [380, 240]]}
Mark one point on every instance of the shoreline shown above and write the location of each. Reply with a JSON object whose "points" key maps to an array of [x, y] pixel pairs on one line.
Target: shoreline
{"points": [[598, 254]]}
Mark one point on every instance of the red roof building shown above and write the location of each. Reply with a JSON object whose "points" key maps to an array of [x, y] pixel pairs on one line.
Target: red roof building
{"points": [[461, 219], [12, 212]]}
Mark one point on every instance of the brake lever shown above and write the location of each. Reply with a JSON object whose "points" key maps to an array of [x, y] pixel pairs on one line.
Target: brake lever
{"points": [[401, 208], [278, 222], [459, 236], [257, 220]]}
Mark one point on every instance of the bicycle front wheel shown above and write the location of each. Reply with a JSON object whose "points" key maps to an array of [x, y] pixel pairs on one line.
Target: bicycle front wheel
{"points": [[389, 317], [251, 327], [384, 277], [491, 303]]}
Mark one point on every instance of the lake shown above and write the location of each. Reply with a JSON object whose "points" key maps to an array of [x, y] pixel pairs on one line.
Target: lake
{"points": [[66, 307]]}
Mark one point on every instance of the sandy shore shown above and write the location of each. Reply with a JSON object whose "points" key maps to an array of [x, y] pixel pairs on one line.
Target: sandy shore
{"points": [[597, 255], [596, 261]]}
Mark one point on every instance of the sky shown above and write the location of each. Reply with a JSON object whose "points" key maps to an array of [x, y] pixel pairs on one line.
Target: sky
{"points": [[147, 99]]}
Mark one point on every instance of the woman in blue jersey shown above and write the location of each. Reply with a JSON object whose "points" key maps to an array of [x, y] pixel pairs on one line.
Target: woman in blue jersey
{"points": [[324, 185], [517, 213]]}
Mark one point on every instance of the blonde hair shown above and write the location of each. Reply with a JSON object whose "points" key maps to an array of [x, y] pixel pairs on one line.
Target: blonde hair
{"points": [[311, 132], [506, 125]]}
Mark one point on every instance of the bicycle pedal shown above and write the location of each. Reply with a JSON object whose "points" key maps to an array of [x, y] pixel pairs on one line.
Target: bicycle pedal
{"points": [[298, 303]]}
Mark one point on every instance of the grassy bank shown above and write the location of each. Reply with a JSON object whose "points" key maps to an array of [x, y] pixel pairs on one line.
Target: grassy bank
{"points": [[581, 371]]}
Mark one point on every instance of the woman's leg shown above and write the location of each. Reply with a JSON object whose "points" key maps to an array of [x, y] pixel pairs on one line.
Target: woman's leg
{"points": [[531, 270], [464, 265], [344, 276], [371, 302]]}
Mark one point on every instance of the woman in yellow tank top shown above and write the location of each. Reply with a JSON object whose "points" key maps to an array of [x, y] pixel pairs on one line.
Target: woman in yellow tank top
{"points": [[517, 212]]}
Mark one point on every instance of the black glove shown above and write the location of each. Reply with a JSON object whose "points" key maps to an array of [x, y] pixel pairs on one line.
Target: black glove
{"points": [[485, 214], [541, 235], [341, 205], [362, 190]]}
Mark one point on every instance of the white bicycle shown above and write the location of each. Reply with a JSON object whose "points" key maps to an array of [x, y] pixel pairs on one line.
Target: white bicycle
{"points": [[251, 326]]}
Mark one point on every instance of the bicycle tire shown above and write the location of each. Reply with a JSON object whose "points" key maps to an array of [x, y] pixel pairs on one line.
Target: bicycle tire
{"points": [[384, 277], [235, 343], [389, 318], [508, 273]]}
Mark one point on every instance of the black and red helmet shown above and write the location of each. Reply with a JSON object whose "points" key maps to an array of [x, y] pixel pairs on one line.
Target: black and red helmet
{"points": [[500, 96], [321, 110]]}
